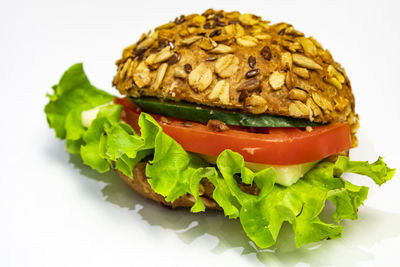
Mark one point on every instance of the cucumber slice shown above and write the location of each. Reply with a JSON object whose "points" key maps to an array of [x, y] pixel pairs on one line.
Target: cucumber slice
{"points": [[285, 174], [199, 113]]}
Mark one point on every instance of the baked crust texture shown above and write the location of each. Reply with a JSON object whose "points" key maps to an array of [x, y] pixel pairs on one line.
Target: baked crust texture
{"points": [[139, 184], [241, 62]]}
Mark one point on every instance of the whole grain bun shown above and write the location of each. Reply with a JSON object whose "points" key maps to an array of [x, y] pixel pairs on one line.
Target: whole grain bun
{"points": [[139, 184], [238, 61]]}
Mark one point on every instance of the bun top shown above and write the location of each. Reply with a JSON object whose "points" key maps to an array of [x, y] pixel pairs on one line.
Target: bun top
{"points": [[238, 61]]}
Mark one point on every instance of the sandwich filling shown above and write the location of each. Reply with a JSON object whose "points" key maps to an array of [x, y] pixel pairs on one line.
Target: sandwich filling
{"points": [[285, 174], [105, 137]]}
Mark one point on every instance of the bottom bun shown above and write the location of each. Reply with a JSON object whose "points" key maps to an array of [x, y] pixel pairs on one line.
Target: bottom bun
{"points": [[139, 184]]}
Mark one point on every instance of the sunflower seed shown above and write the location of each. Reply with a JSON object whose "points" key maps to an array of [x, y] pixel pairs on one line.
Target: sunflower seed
{"points": [[180, 73], [286, 60], [211, 58], [223, 38], [297, 94], [256, 100], [146, 43], [249, 19], [183, 32], [326, 56], [316, 43], [256, 104], [302, 72], [141, 76], [262, 36], [132, 68], [298, 109], [230, 29], [201, 77], [335, 82], [125, 68], [190, 40], [247, 41], [336, 74], [288, 80], [308, 46], [276, 80], [292, 46], [198, 20], [216, 91], [207, 44], [239, 31], [160, 76], [314, 108], [161, 56], [222, 49], [292, 32], [221, 91], [321, 101], [305, 62], [226, 66], [265, 25]]}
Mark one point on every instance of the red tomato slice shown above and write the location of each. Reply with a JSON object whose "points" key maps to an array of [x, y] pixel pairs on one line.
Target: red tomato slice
{"points": [[275, 146]]}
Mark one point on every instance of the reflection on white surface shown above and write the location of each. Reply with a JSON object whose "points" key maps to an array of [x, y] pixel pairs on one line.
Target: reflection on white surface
{"points": [[51, 215], [221, 235]]}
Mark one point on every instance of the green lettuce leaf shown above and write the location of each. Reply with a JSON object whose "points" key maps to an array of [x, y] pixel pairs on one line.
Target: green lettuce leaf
{"points": [[261, 205], [378, 170], [71, 96]]}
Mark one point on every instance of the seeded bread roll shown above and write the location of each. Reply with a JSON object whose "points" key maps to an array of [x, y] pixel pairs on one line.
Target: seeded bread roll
{"points": [[140, 184], [238, 61]]}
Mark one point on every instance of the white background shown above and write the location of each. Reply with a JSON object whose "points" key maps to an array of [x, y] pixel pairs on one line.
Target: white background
{"points": [[56, 212]]}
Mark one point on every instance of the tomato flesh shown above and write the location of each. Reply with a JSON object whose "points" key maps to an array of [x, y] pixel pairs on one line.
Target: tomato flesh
{"points": [[273, 146]]}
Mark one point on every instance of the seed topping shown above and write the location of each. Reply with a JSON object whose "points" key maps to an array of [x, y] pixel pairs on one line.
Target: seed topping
{"points": [[276, 80], [217, 126], [200, 78], [252, 61], [266, 53], [187, 68], [252, 73], [238, 61]]}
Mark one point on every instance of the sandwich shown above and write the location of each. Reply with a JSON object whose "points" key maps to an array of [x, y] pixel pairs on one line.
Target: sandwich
{"points": [[225, 111]]}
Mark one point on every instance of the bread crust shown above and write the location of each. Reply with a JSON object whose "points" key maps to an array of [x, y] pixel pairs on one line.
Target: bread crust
{"points": [[238, 61], [139, 184]]}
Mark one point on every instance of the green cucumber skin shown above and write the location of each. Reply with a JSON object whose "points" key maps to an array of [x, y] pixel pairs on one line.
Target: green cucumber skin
{"points": [[203, 114]]}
